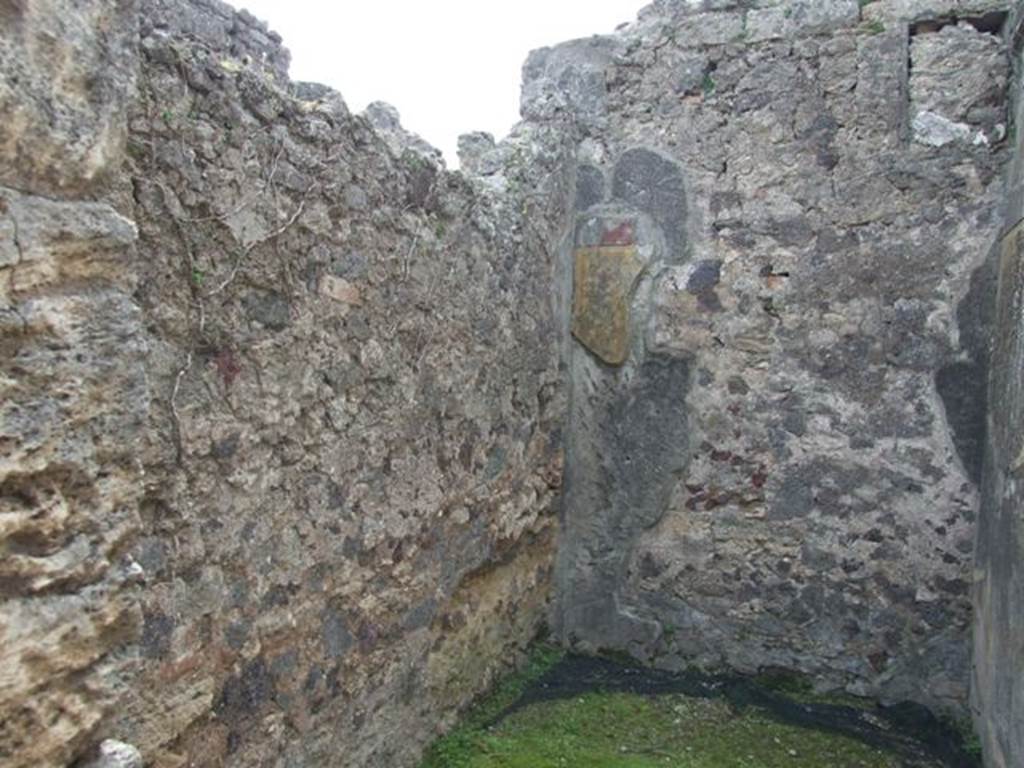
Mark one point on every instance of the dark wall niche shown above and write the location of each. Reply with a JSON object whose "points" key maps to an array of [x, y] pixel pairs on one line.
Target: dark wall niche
{"points": [[963, 388], [991, 23]]}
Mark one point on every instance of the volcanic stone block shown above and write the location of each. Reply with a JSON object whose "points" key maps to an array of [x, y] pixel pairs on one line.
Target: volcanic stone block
{"points": [[801, 18]]}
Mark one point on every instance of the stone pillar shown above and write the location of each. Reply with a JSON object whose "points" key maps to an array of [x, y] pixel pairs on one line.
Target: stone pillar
{"points": [[997, 682]]}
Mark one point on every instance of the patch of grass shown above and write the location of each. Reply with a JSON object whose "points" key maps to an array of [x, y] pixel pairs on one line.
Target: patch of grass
{"points": [[874, 27], [460, 747], [708, 85], [631, 731]]}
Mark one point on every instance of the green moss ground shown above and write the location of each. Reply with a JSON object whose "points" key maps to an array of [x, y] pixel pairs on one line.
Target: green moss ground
{"points": [[628, 731], [623, 730], [458, 748]]}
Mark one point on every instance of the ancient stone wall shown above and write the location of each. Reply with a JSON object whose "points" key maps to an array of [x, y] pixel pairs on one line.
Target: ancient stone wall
{"points": [[794, 202], [352, 458], [288, 408], [997, 688], [73, 393], [282, 455]]}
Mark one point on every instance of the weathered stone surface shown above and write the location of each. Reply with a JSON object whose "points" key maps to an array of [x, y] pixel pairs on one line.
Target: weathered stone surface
{"points": [[811, 271], [59, 242], [387, 123], [569, 78], [241, 37], [72, 386], [352, 464], [997, 690], [316, 289], [801, 17], [68, 501], [473, 149], [705, 29], [958, 81], [66, 72], [341, 290], [603, 284], [300, 461]]}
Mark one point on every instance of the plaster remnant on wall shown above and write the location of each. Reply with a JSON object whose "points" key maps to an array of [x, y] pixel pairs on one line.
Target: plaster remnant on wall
{"points": [[938, 131], [604, 279]]}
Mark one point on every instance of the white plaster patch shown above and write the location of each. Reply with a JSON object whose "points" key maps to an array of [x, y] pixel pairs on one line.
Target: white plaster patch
{"points": [[934, 130]]}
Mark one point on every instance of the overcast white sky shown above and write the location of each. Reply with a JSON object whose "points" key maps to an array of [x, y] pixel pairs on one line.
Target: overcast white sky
{"points": [[449, 66]]}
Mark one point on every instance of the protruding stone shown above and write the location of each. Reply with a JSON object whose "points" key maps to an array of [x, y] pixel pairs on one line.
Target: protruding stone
{"points": [[472, 148], [63, 240], [341, 290], [568, 78], [321, 98], [800, 18], [116, 754], [711, 28], [388, 123]]}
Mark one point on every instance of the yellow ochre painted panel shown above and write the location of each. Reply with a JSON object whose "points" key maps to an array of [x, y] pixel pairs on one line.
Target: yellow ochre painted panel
{"points": [[604, 278]]}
